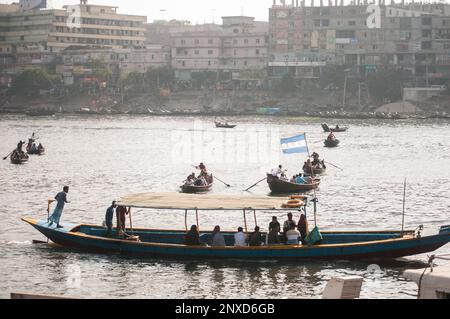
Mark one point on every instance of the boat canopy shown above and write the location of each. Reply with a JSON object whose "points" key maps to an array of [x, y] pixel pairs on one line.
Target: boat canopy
{"points": [[201, 202]]}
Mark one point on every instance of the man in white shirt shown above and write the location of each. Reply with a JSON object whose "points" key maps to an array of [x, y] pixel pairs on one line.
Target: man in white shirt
{"points": [[277, 171], [240, 238], [292, 236]]}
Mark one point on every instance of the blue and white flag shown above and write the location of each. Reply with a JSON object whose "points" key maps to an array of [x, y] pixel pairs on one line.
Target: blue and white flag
{"points": [[296, 144]]}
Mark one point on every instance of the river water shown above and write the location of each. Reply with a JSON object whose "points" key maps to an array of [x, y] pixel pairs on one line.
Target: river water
{"points": [[104, 157]]}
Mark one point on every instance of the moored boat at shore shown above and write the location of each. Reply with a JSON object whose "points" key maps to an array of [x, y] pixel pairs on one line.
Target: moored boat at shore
{"points": [[332, 245]]}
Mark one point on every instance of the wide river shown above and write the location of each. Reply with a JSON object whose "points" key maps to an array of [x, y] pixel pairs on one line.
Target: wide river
{"points": [[104, 157]]}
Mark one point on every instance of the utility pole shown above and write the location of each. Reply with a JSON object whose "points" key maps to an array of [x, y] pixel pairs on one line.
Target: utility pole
{"points": [[345, 91]]}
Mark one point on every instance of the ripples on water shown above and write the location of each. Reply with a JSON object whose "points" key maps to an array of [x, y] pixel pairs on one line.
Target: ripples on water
{"points": [[102, 158]]}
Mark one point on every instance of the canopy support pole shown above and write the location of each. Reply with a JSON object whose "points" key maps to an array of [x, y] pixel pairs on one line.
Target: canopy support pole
{"points": [[196, 216], [245, 223], [254, 216], [185, 219], [131, 222]]}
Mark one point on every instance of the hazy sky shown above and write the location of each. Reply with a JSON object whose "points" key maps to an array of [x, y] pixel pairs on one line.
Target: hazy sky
{"points": [[197, 11]]}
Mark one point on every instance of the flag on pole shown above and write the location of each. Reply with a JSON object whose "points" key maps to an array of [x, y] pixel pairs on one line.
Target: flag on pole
{"points": [[293, 145]]}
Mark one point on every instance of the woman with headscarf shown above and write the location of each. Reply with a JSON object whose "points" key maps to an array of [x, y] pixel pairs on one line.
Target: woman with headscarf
{"points": [[217, 239], [192, 238]]}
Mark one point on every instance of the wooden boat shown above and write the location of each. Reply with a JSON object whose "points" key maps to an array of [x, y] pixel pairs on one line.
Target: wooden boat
{"points": [[332, 143], [19, 158], [191, 188], [335, 245], [279, 186], [37, 113], [337, 129], [224, 125], [315, 171], [36, 152]]}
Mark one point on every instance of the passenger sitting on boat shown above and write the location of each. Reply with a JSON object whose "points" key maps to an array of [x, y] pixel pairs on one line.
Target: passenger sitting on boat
{"points": [[40, 147], [316, 159], [293, 179], [109, 219], [292, 236], [34, 148], [288, 224], [255, 238], [303, 228], [192, 238], [240, 240], [217, 239], [274, 231], [300, 180], [191, 179], [283, 177], [200, 181]]}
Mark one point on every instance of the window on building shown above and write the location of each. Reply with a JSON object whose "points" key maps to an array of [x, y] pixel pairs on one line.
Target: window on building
{"points": [[352, 22], [426, 33], [258, 41], [246, 41], [210, 41], [245, 63], [427, 21], [209, 63], [183, 63], [183, 42], [210, 52], [257, 52], [426, 45], [317, 23], [236, 31], [235, 41], [197, 41]]}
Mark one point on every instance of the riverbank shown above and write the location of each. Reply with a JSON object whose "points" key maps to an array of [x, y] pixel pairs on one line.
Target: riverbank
{"points": [[193, 103]]}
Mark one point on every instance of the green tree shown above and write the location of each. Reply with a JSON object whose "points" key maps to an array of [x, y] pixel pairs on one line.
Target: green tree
{"points": [[100, 70], [387, 84], [31, 81]]}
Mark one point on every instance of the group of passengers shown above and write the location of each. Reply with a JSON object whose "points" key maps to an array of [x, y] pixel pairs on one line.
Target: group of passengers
{"points": [[201, 180], [293, 234], [296, 179], [316, 163]]}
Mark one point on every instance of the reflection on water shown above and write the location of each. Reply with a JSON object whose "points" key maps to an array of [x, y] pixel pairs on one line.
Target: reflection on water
{"points": [[102, 158]]}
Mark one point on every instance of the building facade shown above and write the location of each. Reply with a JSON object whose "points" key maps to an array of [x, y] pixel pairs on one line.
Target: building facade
{"points": [[34, 37], [236, 50], [305, 37]]}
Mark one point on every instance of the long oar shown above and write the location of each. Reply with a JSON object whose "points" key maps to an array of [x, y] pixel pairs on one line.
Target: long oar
{"points": [[334, 165], [227, 185], [4, 158], [255, 184]]}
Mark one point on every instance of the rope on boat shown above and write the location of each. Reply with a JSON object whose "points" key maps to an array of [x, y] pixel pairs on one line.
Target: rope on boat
{"points": [[430, 265]]}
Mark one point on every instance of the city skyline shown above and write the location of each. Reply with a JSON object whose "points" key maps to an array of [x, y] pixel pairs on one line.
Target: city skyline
{"points": [[205, 11]]}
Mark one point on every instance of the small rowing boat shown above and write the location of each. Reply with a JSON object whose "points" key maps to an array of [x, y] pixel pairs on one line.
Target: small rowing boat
{"points": [[279, 186], [198, 186], [19, 158], [224, 125], [337, 129], [332, 143]]}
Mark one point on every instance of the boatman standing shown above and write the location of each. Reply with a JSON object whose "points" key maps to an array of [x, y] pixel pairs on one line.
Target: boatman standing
{"points": [[109, 218], [61, 199]]}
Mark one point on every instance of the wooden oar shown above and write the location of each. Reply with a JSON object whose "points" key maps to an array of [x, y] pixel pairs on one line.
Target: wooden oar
{"points": [[255, 184], [227, 185], [4, 158], [334, 165]]}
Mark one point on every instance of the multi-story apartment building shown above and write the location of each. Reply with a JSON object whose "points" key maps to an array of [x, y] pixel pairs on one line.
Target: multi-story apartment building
{"points": [[237, 48], [365, 37], [35, 36]]}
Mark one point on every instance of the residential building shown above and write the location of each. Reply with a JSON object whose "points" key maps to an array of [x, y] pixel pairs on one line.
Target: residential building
{"points": [[364, 37]]}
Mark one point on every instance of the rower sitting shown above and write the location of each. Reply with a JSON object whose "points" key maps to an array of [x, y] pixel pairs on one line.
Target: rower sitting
{"points": [[40, 147], [300, 180]]}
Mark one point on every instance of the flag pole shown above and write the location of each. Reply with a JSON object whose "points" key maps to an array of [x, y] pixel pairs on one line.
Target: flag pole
{"points": [[312, 174]]}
